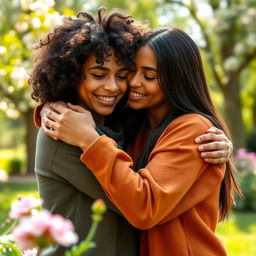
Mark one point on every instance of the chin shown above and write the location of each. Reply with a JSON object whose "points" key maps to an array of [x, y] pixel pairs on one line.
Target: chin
{"points": [[134, 105], [106, 112]]}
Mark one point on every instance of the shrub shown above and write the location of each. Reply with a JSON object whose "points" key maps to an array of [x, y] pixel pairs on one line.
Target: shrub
{"points": [[251, 141], [14, 166], [245, 163]]}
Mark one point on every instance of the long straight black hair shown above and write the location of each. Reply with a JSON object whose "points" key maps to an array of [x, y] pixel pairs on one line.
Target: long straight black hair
{"points": [[182, 79]]}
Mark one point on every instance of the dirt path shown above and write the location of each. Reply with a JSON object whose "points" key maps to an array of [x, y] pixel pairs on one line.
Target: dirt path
{"points": [[22, 178]]}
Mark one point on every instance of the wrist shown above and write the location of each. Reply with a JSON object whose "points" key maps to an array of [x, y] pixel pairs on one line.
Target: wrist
{"points": [[84, 144]]}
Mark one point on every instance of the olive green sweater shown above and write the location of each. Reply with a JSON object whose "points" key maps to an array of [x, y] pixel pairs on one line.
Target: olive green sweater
{"points": [[68, 188]]}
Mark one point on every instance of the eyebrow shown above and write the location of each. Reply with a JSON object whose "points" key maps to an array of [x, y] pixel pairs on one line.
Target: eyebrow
{"points": [[107, 69], [99, 67], [149, 68]]}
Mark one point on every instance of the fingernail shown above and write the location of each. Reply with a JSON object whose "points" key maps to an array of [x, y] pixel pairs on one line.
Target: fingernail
{"points": [[201, 148], [203, 155], [197, 140]]}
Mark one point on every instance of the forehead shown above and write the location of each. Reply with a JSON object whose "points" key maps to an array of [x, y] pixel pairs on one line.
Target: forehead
{"points": [[145, 56], [111, 62]]}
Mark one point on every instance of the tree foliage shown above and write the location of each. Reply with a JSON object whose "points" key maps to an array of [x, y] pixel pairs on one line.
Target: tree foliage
{"points": [[229, 40]]}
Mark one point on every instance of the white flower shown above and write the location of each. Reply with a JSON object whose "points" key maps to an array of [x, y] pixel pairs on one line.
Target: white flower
{"points": [[251, 12], [240, 48], [12, 113], [245, 20], [10, 89], [219, 25], [25, 4], [19, 76], [3, 174], [3, 72], [52, 20], [36, 23], [7, 238], [2, 50], [231, 64], [3, 105], [21, 26], [50, 3], [30, 252], [29, 40], [23, 106], [251, 40], [39, 7]]}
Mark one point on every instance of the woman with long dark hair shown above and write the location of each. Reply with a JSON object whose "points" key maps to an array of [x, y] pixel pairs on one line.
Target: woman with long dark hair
{"points": [[163, 187]]}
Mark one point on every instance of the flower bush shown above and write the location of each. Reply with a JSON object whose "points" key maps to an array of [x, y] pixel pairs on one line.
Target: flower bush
{"points": [[31, 230], [245, 163]]}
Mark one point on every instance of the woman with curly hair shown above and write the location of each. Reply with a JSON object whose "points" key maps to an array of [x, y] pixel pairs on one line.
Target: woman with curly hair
{"points": [[163, 186], [84, 61]]}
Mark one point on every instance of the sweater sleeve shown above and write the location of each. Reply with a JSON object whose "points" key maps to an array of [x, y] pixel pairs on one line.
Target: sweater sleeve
{"points": [[37, 117], [150, 196]]}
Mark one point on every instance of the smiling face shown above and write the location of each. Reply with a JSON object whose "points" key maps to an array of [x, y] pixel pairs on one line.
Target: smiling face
{"points": [[144, 89], [102, 86]]}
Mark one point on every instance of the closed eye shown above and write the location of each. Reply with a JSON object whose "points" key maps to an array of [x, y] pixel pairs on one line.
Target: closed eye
{"points": [[150, 78], [98, 76]]}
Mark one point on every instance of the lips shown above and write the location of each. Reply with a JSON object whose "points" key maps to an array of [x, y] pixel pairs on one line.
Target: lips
{"points": [[134, 95], [106, 100]]}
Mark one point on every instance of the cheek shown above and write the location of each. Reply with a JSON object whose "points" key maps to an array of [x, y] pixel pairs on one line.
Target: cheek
{"points": [[123, 87]]}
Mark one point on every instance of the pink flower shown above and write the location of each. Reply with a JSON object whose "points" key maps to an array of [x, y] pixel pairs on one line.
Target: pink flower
{"points": [[61, 230], [23, 206], [241, 153], [43, 229], [31, 252]]}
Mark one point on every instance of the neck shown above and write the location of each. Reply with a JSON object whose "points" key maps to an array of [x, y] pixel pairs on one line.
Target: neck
{"points": [[99, 119], [155, 115]]}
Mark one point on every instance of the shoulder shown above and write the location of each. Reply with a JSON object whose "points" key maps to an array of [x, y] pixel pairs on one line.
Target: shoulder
{"points": [[46, 146], [187, 127], [190, 122]]}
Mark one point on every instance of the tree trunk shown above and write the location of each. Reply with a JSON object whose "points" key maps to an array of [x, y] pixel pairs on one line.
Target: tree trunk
{"points": [[30, 140], [233, 112]]}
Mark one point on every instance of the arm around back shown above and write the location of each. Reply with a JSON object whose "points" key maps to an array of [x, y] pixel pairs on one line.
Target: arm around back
{"points": [[148, 197]]}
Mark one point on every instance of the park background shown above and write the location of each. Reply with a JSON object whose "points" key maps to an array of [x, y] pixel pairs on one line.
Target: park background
{"points": [[224, 30]]}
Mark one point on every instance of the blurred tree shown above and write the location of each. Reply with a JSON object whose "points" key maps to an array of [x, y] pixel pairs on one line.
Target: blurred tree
{"points": [[228, 33], [34, 19], [145, 10]]}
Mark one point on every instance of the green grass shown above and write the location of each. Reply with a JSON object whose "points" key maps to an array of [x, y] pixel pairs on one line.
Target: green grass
{"points": [[238, 233]]}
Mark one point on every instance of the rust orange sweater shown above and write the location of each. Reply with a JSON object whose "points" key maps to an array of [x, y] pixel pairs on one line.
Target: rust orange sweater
{"points": [[174, 200]]}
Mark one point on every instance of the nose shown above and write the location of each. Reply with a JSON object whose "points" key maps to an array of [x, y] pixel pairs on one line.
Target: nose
{"points": [[135, 80], [111, 85]]}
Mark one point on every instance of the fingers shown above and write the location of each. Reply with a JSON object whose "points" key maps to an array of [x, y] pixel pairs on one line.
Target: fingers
{"points": [[220, 160], [58, 107], [215, 154], [211, 137], [76, 108], [215, 130], [48, 128]]}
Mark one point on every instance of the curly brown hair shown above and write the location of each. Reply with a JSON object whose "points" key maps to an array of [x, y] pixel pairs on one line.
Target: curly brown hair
{"points": [[61, 55]]}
